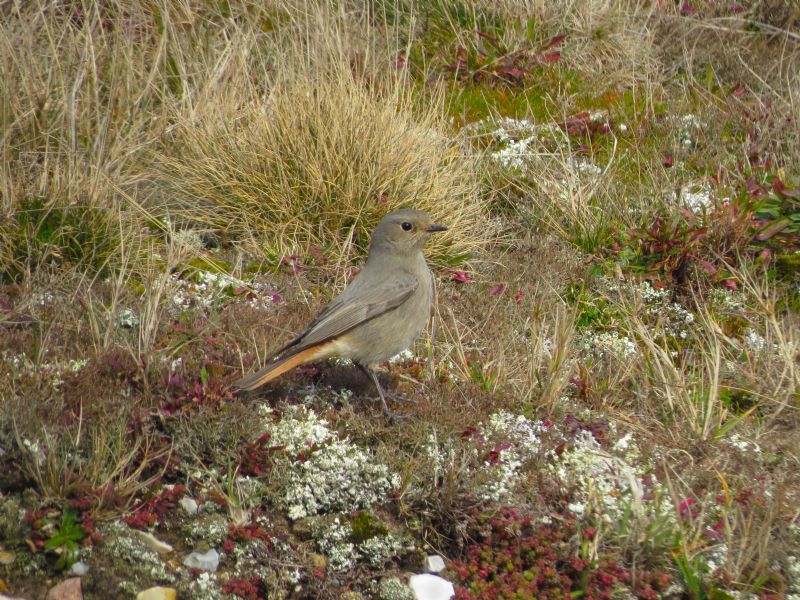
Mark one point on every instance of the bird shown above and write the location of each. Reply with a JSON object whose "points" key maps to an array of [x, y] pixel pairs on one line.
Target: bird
{"points": [[381, 313]]}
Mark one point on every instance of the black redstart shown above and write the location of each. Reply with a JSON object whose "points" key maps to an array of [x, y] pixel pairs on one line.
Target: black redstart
{"points": [[379, 314]]}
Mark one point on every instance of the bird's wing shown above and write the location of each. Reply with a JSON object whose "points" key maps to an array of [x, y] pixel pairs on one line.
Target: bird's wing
{"points": [[353, 307]]}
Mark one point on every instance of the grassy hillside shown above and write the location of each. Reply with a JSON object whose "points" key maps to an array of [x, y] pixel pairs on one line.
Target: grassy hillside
{"points": [[607, 402]]}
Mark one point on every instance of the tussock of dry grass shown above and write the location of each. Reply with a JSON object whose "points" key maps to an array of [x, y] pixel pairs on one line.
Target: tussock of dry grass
{"points": [[319, 158], [612, 35], [100, 460]]}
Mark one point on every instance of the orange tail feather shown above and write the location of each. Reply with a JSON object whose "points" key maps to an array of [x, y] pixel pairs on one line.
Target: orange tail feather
{"points": [[279, 367]]}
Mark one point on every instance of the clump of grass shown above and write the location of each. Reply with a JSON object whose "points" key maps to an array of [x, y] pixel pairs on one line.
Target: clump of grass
{"points": [[74, 91], [608, 41], [320, 159], [53, 232], [100, 465]]}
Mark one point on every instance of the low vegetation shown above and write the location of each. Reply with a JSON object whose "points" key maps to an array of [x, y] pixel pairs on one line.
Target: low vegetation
{"points": [[607, 404]]}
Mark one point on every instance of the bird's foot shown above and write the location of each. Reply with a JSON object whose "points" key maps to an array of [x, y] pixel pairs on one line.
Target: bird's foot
{"points": [[391, 415], [401, 398], [382, 395]]}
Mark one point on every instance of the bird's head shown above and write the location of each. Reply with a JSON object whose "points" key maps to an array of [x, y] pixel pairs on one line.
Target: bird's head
{"points": [[403, 231]]}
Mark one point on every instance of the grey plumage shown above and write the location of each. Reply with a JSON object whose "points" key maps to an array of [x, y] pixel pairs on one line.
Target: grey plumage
{"points": [[379, 314]]}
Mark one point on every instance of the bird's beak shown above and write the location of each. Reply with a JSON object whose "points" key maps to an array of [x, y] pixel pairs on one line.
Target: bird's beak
{"points": [[434, 228]]}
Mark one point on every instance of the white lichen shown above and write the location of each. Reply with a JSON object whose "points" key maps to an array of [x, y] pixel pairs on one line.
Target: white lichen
{"points": [[600, 345], [127, 318], [205, 587], [324, 473], [207, 289], [402, 357], [124, 546], [497, 453], [754, 341], [689, 126], [736, 440], [610, 485], [335, 538], [35, 450], [697, 200]]}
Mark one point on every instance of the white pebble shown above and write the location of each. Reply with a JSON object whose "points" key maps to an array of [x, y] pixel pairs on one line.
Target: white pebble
{"points": [[208, 561], [153, 543], [79, 569], [189, 505], [434, 563], [431, 587]]}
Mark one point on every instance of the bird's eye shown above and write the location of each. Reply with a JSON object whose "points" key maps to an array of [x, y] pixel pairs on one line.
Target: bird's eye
{"points": [[406, 226]]}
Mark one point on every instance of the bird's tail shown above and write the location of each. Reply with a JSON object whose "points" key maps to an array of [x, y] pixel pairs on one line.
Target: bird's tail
{"points": [[279, 367]]}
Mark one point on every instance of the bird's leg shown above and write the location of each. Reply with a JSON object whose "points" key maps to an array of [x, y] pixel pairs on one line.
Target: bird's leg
{"points": [[372, 375]]}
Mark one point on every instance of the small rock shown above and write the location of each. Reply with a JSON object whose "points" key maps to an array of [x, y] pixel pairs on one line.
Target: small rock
{"points": [[6, 557], [207, 561], [4, 597], [351, 595], [434, 563], [152, 542], [189, 505], [431, 587], [69, 589], [157, 593], [79, 569]]}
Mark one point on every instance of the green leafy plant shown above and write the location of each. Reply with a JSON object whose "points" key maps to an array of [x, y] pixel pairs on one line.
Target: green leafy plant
{"points": [[691, 570], [65, 539], [779, 209], [681, 246], [649, 528], [484, 375]]}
